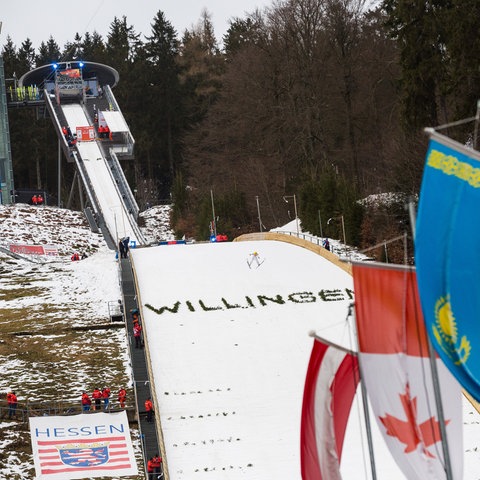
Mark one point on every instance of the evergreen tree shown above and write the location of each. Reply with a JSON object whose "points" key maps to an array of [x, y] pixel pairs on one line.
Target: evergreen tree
{"points": [[73, 50], [241, 33], [122, 43], [462, 24], [232, 214], [332, 197], [92, 48], [164, 95], [124, 52], [26, 56], [11, 62], [319, 200], [202, 66], [97, 51], [48, 53], [418, 27]]}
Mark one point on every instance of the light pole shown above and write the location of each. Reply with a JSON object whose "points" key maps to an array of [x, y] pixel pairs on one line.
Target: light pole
{"points": [[115, 220], [343, 227], [213, 215], [123, 220], [320, 221], [259, 218], [285, 198], [59, 169]]}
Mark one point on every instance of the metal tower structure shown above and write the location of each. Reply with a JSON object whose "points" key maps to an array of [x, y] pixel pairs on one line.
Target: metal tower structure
{"points": [[6, 169]]}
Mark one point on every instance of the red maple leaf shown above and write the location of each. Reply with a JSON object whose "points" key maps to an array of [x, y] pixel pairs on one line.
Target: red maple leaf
{"points": [[409, 431]]}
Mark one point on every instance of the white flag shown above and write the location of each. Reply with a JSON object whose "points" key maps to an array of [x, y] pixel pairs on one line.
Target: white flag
{"points": [[80, 446]]}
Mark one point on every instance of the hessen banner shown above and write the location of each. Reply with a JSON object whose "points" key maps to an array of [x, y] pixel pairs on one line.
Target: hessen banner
{"points": [[80, 446], [50, 250]]}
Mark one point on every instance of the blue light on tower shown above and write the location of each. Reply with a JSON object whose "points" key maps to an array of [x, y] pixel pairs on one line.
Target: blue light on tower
{"points": [[55, 66], [80, 64]]}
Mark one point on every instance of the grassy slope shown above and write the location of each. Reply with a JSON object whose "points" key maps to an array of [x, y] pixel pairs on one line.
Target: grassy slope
{"points": [[44, 358]]}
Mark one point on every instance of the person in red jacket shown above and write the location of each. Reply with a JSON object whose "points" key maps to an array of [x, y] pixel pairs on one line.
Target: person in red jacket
{"points": [[157, 463], [150, 468], [149, 409], [97, 397], [86, 402], [122, 395], [106, 397], [12, 404], [39, 200], [137, 334]]}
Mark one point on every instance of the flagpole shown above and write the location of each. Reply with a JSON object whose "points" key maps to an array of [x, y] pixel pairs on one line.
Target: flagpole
{"points": [[435, 380], [475, 131], [368, 427], [331, 344]]}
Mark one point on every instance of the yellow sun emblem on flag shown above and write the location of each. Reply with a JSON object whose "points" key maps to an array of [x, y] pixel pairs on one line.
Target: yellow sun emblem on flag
{"points": [[446, 332]]}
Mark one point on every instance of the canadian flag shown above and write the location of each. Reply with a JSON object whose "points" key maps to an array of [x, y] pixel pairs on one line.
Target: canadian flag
{"points": [[395, 367], [330, 384]]}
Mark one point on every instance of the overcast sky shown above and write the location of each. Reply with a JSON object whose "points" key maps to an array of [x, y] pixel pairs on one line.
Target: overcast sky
{"points": [[37, 21]]}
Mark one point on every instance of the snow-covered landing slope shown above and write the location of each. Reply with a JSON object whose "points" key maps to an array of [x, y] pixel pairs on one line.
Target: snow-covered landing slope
{"points": [[229, 347]]}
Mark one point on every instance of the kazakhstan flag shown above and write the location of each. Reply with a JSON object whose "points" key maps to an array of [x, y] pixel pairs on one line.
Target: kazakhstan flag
{"points": [[447, 256]]}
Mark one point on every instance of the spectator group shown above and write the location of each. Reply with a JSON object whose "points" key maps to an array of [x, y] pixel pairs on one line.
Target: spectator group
{"points": [[100, 399]]}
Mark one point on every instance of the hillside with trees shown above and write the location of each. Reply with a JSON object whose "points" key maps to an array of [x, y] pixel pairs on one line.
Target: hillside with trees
{"points": [[322, 99]]}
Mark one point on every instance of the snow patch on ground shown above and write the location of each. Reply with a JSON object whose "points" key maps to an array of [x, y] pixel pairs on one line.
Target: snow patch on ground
{"points": [[46, 303]]}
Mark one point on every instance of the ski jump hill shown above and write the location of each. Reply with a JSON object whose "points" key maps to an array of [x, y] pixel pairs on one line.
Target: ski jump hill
{"points": [[79, 100], [228, 348]]}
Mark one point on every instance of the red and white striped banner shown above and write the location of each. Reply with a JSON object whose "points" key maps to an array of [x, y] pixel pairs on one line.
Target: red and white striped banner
{"points": [[80, 446], [34, 249], [330, 385]]}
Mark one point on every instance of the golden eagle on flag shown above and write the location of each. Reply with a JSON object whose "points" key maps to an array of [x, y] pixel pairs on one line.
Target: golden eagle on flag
{"points": [[447, 256]]}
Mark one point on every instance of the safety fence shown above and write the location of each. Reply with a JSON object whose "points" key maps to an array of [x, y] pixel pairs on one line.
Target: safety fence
{"points": [[28, 408], [339, 250]]}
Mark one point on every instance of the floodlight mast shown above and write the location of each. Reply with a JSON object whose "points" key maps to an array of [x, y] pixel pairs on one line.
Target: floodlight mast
{"points": [[259, 217]]}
